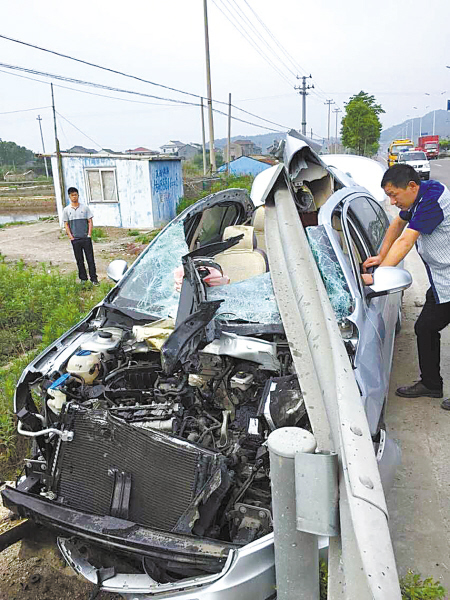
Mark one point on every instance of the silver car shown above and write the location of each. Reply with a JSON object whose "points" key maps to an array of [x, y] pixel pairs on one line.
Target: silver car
{"points": [[149, 447]]}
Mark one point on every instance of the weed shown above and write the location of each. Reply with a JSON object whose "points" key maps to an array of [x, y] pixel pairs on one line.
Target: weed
{"points": [[414, 588], [146, 238], [98, 234], [133, 232], [37, 305]]}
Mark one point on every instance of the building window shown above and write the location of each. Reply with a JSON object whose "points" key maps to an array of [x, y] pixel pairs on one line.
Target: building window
{"points": [[101, 185]]}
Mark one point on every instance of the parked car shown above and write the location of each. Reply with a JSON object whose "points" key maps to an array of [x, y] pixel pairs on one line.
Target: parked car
{"points": [[149, 453], [418, 160]]}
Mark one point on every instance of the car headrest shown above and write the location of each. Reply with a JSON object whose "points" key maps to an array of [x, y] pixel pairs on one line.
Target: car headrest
{"points": [[248, 242], [258, 218]]}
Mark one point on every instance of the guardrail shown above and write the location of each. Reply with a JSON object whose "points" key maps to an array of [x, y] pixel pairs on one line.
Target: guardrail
{"points": [[361, 558]]}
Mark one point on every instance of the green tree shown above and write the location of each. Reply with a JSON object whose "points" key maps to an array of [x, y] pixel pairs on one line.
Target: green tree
{"points": [[12, 154], [361, 126], [198, 159]]}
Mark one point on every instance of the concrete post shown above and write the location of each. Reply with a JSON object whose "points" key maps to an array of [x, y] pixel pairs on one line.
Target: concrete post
{"points": [[296, 552]]}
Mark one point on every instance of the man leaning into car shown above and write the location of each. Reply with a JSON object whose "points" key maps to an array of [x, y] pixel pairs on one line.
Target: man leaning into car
{"points": [[424, 220]]}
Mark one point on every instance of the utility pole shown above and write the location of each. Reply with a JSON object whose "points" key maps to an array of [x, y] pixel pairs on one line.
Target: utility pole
{"points": [[38, 118], [329, 102], [203, 137], [229, 134], [434, 120], [336, 111], [58, 155], [212, 157], [302, 90]]}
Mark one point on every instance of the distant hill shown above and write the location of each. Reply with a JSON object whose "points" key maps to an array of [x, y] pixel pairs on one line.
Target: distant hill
{"points": [[263, 140], [403, 130]]}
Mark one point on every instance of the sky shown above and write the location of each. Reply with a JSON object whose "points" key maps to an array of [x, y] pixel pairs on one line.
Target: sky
{"points": [[258, 48]]}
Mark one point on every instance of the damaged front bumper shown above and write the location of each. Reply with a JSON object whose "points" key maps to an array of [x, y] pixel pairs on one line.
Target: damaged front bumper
{"points": [[244, 572]]}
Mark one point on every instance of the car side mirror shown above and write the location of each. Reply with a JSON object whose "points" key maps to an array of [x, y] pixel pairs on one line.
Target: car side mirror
{"points": [[117, 269], [388, 280]]}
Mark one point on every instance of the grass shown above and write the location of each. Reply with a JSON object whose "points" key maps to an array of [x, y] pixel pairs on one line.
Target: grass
{"points": [[37, 305], [133, 232], [98, 234], [232, 181]]}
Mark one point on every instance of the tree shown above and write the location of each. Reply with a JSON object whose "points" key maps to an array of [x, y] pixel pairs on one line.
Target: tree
{"points": [[12, 154], [361, 126]]}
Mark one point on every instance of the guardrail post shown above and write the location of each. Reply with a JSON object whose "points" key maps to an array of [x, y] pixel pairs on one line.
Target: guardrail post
{"points": [[296, 552]]}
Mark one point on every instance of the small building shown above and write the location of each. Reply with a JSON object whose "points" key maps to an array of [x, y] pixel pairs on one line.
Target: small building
{"points": [[141, 151], [122, 190], [245, 165], [188, 151], [241, 148], [171, 148]]}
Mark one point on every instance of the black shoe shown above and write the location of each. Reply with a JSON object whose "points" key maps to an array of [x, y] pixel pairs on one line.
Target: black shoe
{"points": [[418, 390], [96, 283], [446, 404]]}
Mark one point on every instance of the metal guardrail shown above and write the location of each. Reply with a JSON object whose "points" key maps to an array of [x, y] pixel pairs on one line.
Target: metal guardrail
{"points": [[361, 559]]}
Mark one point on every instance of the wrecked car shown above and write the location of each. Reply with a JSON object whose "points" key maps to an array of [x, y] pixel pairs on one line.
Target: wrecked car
{"points": [[149, 419]]}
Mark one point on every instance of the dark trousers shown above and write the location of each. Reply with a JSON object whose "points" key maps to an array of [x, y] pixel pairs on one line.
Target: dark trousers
{"points": [[84, 246], [433, 318]]}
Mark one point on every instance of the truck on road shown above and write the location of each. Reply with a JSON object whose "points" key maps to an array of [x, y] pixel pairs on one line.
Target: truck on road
{"points": [[398, 146], [430, 145]]}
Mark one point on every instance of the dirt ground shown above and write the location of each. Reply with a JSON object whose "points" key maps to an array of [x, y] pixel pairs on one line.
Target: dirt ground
{"points": [[45, 242]]}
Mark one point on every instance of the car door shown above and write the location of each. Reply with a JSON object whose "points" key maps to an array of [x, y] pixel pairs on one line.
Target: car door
{"points": [[356, 225], [365, 224]]}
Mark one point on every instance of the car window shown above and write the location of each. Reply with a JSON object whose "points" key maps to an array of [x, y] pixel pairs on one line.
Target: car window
{"points": [[371, 220], [214, 221]]}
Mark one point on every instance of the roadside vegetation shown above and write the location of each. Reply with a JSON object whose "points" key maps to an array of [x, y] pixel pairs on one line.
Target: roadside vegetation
{"points": [[37, 305], [361, 125], [222, 183], [412, 586]]}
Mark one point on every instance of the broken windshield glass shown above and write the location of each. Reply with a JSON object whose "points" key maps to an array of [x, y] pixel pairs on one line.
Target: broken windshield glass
{"points": [[330, 270], [150, 286]]}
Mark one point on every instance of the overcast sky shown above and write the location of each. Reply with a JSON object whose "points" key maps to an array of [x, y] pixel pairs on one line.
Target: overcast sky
{"points": [[393, 50]]}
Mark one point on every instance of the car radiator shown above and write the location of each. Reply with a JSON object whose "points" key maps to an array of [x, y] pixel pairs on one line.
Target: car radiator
{"points": [[113, 468]]}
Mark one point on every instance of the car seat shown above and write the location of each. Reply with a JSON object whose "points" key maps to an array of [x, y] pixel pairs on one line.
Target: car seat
{"points": [[244, 260]]}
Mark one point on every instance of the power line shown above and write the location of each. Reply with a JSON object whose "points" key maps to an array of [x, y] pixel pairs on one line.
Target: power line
{"points": [[10, 112], [85, 62], [250, 40], [95, 85], [82, 132]]}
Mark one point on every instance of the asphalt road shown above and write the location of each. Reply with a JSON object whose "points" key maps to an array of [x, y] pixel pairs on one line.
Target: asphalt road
{"points": [[419, 503]]}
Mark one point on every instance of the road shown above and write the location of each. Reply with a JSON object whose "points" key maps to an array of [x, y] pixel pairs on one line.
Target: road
{"points": [[419, 503]]}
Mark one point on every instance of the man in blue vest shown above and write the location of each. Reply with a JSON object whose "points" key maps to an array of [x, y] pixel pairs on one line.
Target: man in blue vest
{"points": [[424, 221], [78, 224]]}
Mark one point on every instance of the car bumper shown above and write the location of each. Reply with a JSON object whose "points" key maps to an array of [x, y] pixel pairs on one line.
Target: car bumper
{"points": [[247, 572]]}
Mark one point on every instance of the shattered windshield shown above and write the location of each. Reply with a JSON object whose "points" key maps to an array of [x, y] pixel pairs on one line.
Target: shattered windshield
{"points": [[150, 286]]}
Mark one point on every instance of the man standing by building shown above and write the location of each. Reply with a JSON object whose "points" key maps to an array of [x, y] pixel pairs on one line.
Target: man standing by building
{"points": [[424, 220], [78, 223]]}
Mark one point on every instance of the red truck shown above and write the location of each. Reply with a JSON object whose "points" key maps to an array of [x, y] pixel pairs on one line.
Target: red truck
{"points": [[430, 145]]}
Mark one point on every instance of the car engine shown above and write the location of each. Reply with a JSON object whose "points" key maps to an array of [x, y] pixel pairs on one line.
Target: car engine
{"points": [[182, 451]]}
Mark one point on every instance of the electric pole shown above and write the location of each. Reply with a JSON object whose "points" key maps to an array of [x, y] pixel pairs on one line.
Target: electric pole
{"points": [[203, 137], [229, 134], [38, 118], [329, 102], [58, 156], [212, 156], [302, 90], [336, 111]]}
